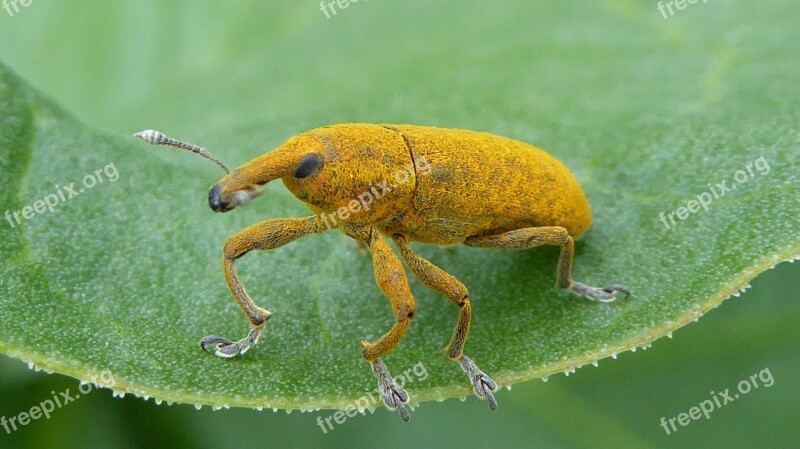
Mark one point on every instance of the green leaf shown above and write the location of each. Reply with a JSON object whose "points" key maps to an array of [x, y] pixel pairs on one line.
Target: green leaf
{"points": [[125, 277]]}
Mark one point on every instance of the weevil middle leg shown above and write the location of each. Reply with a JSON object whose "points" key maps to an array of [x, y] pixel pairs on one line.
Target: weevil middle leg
{"points": [[393, 282], [266, 235], [437, 279], [550, 235]]}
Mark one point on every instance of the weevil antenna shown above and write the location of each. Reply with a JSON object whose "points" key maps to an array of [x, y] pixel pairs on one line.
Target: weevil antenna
{"points": [[154, 137]]}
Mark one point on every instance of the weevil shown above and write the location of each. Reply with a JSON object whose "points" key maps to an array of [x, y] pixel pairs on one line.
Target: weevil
{"points": [[479, 189]]}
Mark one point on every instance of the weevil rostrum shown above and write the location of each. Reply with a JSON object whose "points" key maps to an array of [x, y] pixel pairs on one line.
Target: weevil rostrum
{"points": [[481, 190]]}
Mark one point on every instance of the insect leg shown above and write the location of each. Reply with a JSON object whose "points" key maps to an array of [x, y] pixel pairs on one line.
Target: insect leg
{"points": [[262, 236], [392, 280], [550, 235], [437, 279]]}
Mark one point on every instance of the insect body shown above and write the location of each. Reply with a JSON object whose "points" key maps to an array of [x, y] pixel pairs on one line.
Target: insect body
{"points": [[459, 187]]}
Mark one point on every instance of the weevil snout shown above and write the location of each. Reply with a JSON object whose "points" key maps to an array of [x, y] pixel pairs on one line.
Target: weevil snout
{"points": [[215, 200], [220, 202], [247, 182]]}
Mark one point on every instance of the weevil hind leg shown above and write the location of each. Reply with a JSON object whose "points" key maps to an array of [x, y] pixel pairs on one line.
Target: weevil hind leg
{"points": [[526, 238], [262, 236], [437, 279]]}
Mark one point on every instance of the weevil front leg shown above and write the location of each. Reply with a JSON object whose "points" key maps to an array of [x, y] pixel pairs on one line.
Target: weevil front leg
{"points": [[551, 235], [262, 236], [437, 279], [392, 280]]}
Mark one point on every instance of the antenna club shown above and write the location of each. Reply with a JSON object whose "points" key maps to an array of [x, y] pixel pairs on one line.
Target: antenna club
{"points": [[152, 137]]}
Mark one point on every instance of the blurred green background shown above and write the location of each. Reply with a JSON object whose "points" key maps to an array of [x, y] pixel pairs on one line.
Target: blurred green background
{"points": [[195, 67]]}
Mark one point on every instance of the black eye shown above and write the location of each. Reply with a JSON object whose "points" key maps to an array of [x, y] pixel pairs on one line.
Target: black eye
{"points": [[307, 166]]}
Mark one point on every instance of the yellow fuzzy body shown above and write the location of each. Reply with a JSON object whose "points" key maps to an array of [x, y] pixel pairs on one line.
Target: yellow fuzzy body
{"points": [[463, 183]]}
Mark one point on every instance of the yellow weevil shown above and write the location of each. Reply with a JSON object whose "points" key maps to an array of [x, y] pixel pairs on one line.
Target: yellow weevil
{"points": [[407, 183]]}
